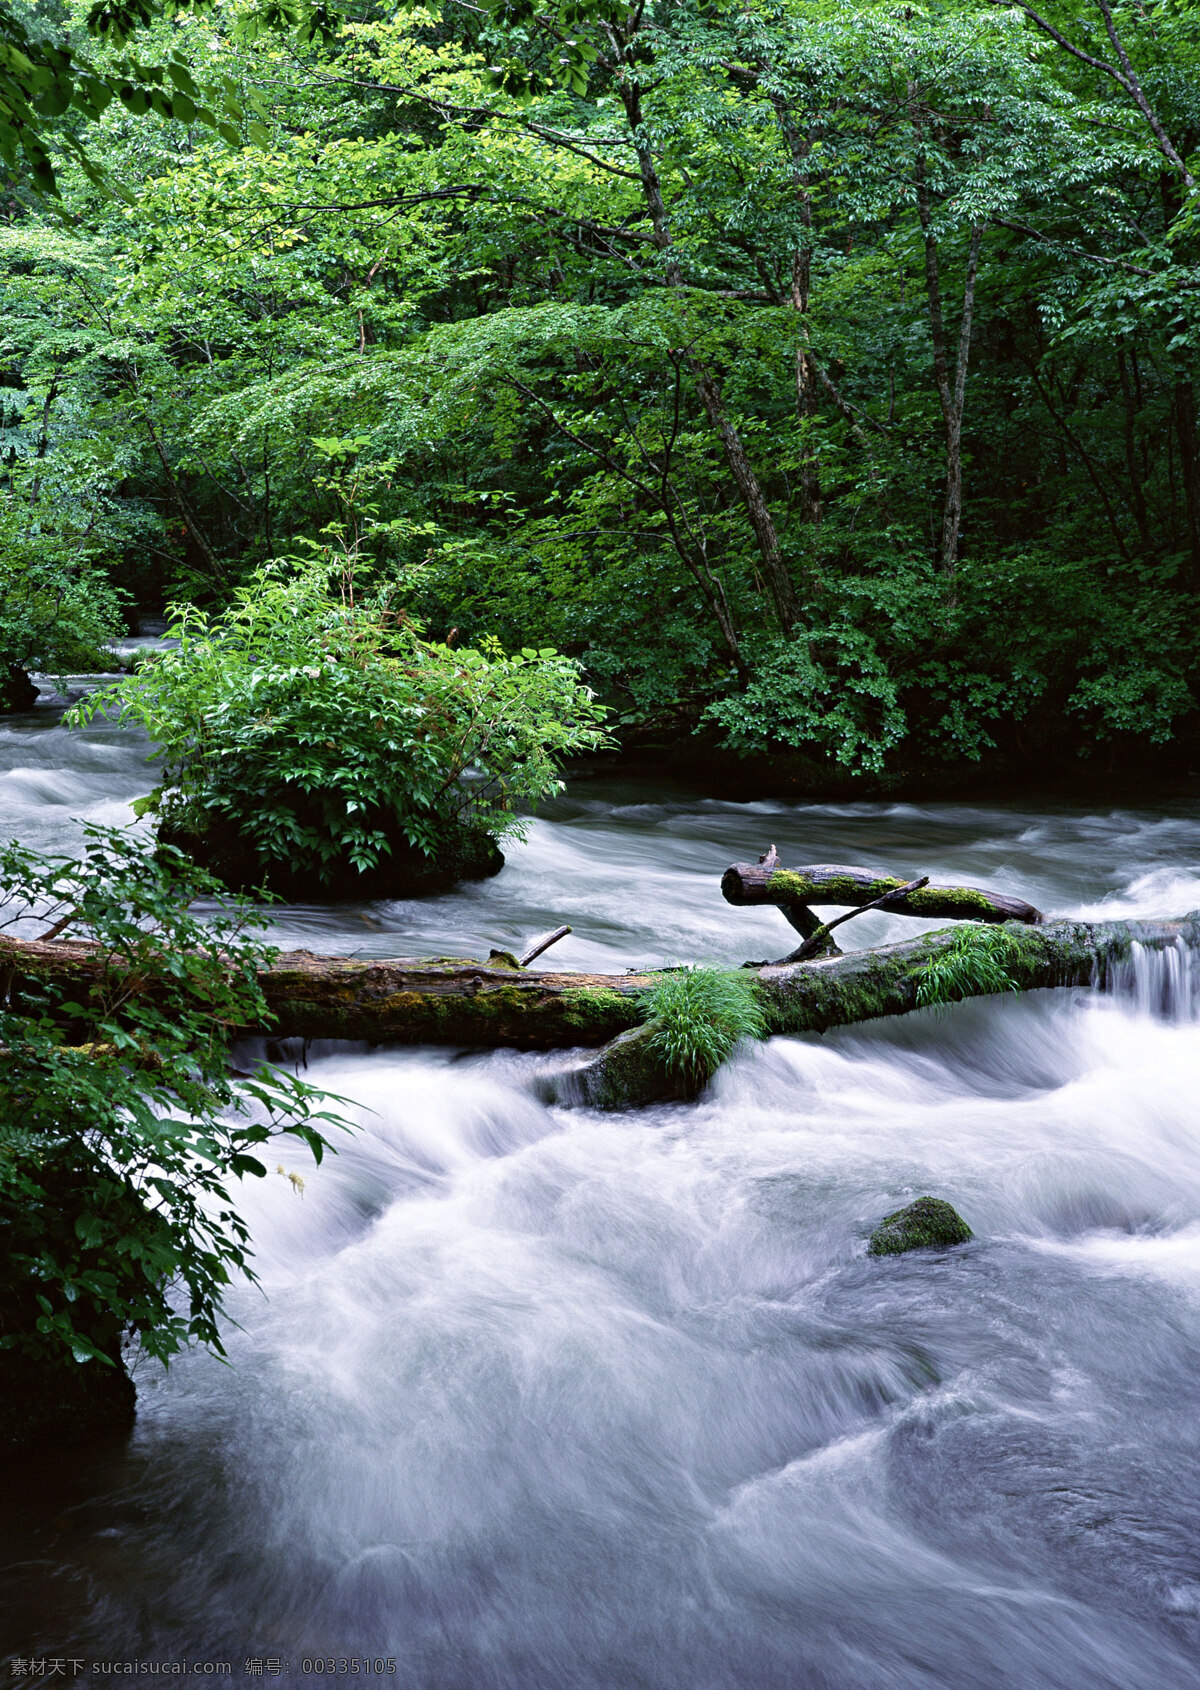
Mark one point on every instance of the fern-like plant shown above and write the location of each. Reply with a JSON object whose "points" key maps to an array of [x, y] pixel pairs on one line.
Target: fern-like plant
{"points": [[698, 1016], [975, 962]]}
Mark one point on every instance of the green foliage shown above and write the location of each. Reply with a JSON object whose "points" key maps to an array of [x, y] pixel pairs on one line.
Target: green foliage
{"points": [[56, 615], [698, 1016], [976, 960], [832, 693], [53, 71], [58, 606], [121, 1126], [482, 314], [321, 724]]}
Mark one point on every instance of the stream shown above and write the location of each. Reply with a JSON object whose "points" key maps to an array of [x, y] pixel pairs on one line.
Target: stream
{"points": [[545, 1399]]}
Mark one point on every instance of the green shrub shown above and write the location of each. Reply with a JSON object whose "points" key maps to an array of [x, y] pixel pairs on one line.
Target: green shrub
{"points": [[121, 1127], [323, 726], [58, 609], [831, 693], [698, 1016], [975, 961]]}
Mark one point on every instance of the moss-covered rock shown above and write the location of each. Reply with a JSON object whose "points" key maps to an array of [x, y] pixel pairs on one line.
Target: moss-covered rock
{"points": [[629, 1072], [216, 844], [927, 1224]]}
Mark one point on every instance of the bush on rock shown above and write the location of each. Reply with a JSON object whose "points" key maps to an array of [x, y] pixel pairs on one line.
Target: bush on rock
{"points": [[313, 741]]}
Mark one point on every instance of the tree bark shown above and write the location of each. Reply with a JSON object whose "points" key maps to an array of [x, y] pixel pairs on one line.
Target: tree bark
{"points": [[1137, 493], [952, 393], [951, 387], [807, 379], [1183, 410]]}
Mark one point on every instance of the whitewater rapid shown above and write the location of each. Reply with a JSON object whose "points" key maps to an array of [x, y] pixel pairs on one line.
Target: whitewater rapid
{"points": [[546, 1399]]}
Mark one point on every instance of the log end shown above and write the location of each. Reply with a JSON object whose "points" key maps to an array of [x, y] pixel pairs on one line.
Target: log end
{"points": [[733, 882]]}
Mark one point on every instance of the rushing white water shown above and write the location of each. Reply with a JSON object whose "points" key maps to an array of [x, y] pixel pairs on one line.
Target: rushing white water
{"points": [[535, 1399]]}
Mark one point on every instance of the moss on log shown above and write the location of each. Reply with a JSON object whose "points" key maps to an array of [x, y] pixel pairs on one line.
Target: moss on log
{"points": [[756, 884], [458, 1001], [810, 997], [441, 1000]]}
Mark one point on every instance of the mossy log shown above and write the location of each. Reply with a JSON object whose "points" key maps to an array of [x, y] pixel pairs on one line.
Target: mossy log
{"points": [[440, 1000], [457, 1001], [756, 884], [884, 980]]}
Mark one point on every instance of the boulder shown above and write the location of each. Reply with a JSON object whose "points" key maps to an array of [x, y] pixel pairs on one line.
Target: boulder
{"points": [[17, 690], [927, 1224], [627, 1074], [218, 846]]}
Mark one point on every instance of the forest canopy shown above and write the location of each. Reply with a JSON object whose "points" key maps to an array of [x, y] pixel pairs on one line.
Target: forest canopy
{"points": [[818, 376]]}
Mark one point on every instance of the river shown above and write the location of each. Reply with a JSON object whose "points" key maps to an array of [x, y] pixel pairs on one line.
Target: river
{"points": [[543, 1399]]}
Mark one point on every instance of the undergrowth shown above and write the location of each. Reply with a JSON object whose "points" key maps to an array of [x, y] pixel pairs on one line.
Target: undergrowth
{"points": [[974, 963], [698, 1016]]}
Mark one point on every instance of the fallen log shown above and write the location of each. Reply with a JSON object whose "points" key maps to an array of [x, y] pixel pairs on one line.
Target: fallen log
{"points": [[821, 943], [757, 884], [461, 1002], [441, 1000], [840, 991], [885, 980]]}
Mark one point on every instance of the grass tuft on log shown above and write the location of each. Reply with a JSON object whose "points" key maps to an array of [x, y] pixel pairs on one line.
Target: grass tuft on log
{"points": [[698, 1017], [974, 964]]}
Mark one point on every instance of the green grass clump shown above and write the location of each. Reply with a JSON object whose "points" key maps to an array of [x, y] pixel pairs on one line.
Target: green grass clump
{"points": [[974, 962], [698, 1016]]}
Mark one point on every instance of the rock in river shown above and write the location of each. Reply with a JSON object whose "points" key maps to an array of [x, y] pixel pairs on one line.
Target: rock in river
{"points": [[927, 1224]]}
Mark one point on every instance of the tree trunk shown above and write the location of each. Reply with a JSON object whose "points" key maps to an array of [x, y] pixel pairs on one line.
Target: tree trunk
{"points": [[1183, 411], [952, 513], [951, 393], [1137, 493], [807, 378], [775, 570], [951, 389]]}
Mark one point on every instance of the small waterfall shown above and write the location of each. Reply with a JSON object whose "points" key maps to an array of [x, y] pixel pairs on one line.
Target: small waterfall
{"points": [[1161, 981]]}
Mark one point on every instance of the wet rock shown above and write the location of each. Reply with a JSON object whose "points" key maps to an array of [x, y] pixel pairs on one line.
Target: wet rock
{"points": [[17, 690], [405, 872], [927, 1224], [627, 1073]]}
